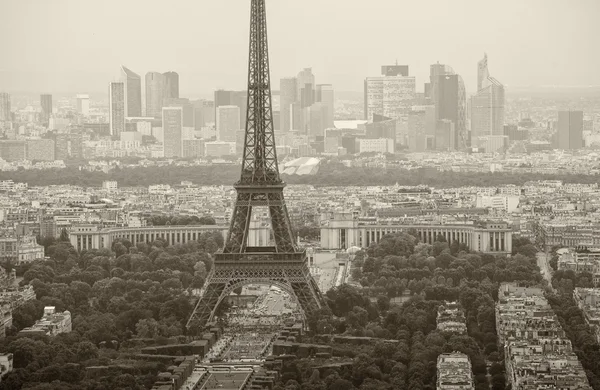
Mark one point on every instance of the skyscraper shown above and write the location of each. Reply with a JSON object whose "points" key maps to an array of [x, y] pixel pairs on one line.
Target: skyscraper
{"points": [[445, 135], [305, 86], [204, 112], [570, 130], [116, 108], [394, 70], [228, 123], [324, 94], [421, 128], [390, 96], [155, 94], [240, 99], [223, 98], [318, 115], [172, 118], [171, 80], [133, 92], [188, 109], [83, 104], [487, 110], [5, 106], [487, 105], [482, 71], [451, 104], [46, 103], [287, 88], [436, 70]]}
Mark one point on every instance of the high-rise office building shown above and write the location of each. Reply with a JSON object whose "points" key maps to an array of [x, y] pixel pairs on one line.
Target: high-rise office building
{"points": [[155, 94], [482, 71], [570, 130], [324, 94], [381, 127], [445, 135], [287, 88], [68, 145], [451, 104], [83, 104], [46, 103], [487, 110], [390, 96], [5, 107], [394, 70], [204, 113], [171, 85], [228, 123], [487, 105], [240, 99], [232, 98], [172, 129], [297, 118], [188, 109], [421, 128], [318, 116], [133, 92], [436, 70], [116, 108], [305, 87], [223, 98]]}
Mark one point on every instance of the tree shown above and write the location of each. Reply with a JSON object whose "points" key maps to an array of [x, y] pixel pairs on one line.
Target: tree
{"points": [[147, 328], [86, 351]]}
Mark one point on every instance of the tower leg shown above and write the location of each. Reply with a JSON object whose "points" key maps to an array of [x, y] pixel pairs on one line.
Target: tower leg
{"points": [[294, 279]]}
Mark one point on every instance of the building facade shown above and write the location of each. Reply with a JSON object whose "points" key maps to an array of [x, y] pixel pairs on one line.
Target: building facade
{"points": [[287, 88], [228, 123], [376, 145], [116, 108], [342, 231], [155, 94], [83, 104], [86, 237], [20, 250], [325, 95], [454, 372], [51, 323], [46, 104], [451, 104], [305, 87], [570, 130], [172, 128], [133, 92], [171, 85], [487, 105], [5, 114], [390, 96]]}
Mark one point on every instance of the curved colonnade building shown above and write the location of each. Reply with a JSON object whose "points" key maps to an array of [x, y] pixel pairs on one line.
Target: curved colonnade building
{"points": [[342, 231], [86, 237]]}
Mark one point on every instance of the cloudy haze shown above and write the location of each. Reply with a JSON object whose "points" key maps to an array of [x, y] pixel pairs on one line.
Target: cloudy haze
{"points": [[78, 45]]}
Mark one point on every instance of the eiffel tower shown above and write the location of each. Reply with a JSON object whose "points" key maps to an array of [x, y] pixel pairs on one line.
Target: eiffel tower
{"points": [[283, 265]]}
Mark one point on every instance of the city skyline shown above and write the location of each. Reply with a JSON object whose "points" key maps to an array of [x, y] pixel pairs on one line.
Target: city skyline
{"points": [[547, 55]]}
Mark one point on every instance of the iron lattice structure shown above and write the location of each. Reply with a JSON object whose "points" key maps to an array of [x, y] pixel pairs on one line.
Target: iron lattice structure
{"points": [[260, 185]]}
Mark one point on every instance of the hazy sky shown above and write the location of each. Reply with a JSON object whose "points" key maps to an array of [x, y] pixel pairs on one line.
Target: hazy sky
{"points": [[78, 45]]}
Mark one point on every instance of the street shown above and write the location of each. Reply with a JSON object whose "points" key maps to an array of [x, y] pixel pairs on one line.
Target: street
{"points": [[545, 269]]}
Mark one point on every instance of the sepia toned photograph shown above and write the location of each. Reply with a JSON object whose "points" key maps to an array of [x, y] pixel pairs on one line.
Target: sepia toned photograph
{"points": [[299, 195]]}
